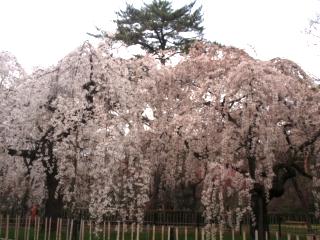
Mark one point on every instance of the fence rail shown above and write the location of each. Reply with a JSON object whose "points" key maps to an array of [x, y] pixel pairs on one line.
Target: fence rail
{"points": [[173, 217]]}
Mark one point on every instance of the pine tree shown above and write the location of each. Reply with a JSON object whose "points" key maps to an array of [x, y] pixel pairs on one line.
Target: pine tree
{"points": [[157, 27]]}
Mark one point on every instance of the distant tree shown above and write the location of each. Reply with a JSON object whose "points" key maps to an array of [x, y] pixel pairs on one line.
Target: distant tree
{"points": [[157, 27], [313, 37], [313, 28]]}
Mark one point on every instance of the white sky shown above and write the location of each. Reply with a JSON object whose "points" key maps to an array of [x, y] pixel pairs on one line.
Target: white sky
{"points": [[40, 32]]}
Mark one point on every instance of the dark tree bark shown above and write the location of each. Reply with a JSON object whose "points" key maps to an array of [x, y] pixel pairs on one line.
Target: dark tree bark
{"points": [[154, 198], [54, 204], [259, 207]]}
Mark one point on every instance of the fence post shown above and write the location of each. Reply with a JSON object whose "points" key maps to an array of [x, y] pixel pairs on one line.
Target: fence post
{"points": [[123, 230], [18, 230], [90, 231], [57, 229], [109, 230], [28, 227], [82, 230], [132, 230], [138, 231], [244, 235], [162, 232], [15, 227], [118, 231], [38, 227], [7, 228], [71, 230], [67, 230], [104, 231], [177, 233], [0, 224], [185, 233], [45, 229], [25, 229], [49, 229], [35, 222], [60, 228]]}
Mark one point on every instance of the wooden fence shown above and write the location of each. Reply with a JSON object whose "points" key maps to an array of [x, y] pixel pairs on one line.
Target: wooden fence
{"points": [[27, 228]]}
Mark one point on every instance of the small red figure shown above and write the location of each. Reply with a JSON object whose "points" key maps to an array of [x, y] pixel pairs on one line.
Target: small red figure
{"points": [[34, 212]]}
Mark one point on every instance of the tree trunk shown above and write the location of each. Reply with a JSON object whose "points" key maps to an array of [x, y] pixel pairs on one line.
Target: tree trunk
{"points": [[154, 199], [259, 207], [54, 204]]}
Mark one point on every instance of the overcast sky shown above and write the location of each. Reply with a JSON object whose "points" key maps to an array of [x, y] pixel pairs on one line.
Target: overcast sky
{"points": [[40, 32]]}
